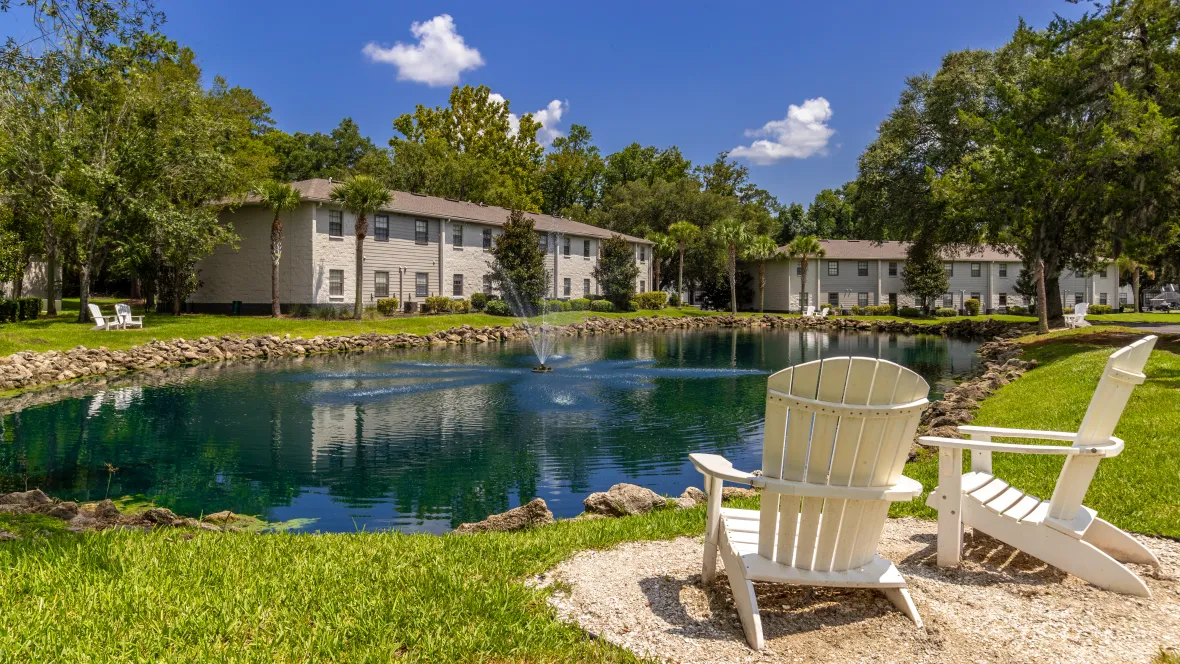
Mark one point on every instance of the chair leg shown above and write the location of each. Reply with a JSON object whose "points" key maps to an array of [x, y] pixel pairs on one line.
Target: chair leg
{"points": [[1118, 544], [743, 594], [902, 600], [709, 564]]}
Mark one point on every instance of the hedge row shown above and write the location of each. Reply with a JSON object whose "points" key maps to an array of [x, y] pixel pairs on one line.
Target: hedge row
{"points": [[25, 308]]}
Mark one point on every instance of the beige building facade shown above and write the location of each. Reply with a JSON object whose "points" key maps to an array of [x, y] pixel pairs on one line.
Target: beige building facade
{"points": [[864, 273], [417, 247]]}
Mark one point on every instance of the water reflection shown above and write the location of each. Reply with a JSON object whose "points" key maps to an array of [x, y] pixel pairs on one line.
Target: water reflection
{"points": [[426, 439]]}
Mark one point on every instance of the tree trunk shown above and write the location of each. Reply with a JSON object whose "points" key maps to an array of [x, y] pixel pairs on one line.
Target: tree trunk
{"points": [[803, 285], [733, 279], [655, 272], [680, 280], [1042, 300], [50, 270], [83, 291], [136, 288], [362, 228], [276, 250], [1054, 306], [762, 287], [176, 299], [1135, 288]]}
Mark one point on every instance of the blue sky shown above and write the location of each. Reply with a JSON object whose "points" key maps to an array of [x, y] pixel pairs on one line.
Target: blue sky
{"points": [[694, 74]]}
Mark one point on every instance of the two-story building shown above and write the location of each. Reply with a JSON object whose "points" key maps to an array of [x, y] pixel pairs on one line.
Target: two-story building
{"points": [[862, 273], [417, 246]]}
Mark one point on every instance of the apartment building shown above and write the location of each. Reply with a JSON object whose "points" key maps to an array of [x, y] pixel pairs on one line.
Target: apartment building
{"points": [[417, 246], [863, 273]]}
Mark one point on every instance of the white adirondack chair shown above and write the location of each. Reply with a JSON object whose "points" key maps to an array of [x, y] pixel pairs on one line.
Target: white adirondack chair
{"points": [[102, 322], [837, 435], [1060, 531], [824, 312], [1078, 317], [126, 320], [810, 311]]}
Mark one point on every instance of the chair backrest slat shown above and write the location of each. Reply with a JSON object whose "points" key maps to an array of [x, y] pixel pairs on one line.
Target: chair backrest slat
{"points": [[96, 314], [830, 445], [1102, 416]]}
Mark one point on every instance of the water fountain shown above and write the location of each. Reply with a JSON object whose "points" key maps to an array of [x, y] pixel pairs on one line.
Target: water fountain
{"points": [[541, 336]]}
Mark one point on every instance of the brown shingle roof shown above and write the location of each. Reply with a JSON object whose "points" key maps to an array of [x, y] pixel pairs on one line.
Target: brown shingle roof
{"points": [[433, 206], [894, 250]]}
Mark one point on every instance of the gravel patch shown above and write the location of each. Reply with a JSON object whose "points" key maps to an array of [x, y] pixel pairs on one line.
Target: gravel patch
{"points": [[999, 606]]}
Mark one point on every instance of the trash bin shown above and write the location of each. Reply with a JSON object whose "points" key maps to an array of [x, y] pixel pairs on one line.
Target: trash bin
{"points": [[236, 307]]}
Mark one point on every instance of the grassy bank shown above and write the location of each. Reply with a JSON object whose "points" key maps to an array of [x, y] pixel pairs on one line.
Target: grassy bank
{"points": [[1136, 490]]}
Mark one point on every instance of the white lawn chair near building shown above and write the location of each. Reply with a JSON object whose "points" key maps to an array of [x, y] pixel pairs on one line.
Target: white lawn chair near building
{"points": [[102, 322], [837, 435], [810, 311], [1060, 531], [824, 312], [126, 320], [1078, 317]]}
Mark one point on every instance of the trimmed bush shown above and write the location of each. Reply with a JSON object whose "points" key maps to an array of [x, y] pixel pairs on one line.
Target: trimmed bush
{"points": [[29, 308], [877, 310], [436, 304], [602, 306], [1017, 310], [553, 306], [387, 306], [972, 307], [674, 300], [946, 312], [909, 312], [632, 305], [8, 311], [479, 301], [498, 308], [855, 310], [1101, 309], [651, 300], [580, 304], [460, 307]]}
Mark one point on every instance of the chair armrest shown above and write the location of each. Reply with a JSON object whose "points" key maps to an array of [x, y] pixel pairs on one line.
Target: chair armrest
{"points": [[971, 429], [720, 467], [1112, 449]]}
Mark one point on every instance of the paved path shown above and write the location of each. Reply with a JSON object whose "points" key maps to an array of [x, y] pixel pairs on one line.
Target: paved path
{"points": [[1159, 328]]}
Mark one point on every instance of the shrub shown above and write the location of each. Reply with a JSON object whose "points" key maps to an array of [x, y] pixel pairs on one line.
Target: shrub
{"points": [[909, 312], [1017, 310], [553, 306], [1100, 309], [1126, 309], [370, 312], [498, 308], [8, 311], [632, 305], [580, 304], [29, 308], [1067, 310], [946, 312], [387, 306], [674, 300], [972, 307], [327, 312], [855, 310], [877, 310], [479, 301], [651, 300], [436, 304], [297, 311], [602, 305], [460, 307]]}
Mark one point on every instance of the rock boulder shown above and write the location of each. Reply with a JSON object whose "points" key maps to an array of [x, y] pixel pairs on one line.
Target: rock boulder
{"points": [[533, 513], [623, 500]]}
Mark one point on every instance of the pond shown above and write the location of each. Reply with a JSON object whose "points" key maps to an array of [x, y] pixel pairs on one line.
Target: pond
{"points": [[425, 439]]}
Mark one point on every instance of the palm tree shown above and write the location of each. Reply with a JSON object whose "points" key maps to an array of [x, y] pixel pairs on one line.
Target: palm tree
{"points": [[804, 247], [684, 233], [663, 246], [762, 248], [1132, 268], [362, 195], [280, 198], [734, 236]]}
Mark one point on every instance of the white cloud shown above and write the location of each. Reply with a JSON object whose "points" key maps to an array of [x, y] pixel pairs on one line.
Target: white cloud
{"points": [[437, 59], [549, 117], [803, 133]]}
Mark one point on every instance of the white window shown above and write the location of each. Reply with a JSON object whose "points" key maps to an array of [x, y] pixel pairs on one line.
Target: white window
{"points": [[457, 235], [1079, 274], [948, 300], [1102, 298], [421, 227], [950, 269], [1079, 298], [1003, 270], [487, 238], [335, 223], [799, 270], [834, 299], [421, 284], [862, 268], [585, 248], [862, 299], [336, 283], [975, 296], [565, 286], [642, 253], [381, 284], [585, 288], [1003, 299], [565, 249], [893, 268], [642, 286], [457, 285], [833, 268], [976, 269], [543, 242], [487, 284], [381, 227]]}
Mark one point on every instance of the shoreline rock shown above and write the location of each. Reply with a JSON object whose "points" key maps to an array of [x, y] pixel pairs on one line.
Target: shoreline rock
{"points": [[624, 500], [531, 514]]}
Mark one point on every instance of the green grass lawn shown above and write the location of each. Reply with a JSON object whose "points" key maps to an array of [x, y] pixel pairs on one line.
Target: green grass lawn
{"points": [[1138, 490]]}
